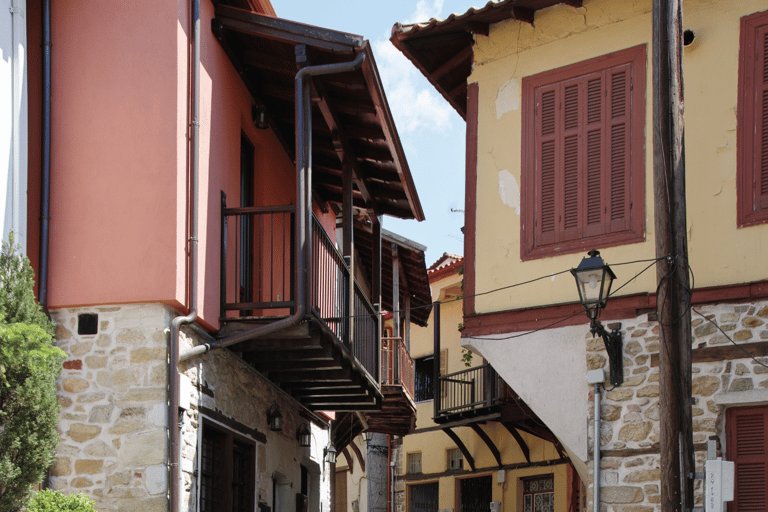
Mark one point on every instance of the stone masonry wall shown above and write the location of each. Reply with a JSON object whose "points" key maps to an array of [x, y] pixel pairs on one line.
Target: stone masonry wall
{"points": [[630, 413], [113, 407]]}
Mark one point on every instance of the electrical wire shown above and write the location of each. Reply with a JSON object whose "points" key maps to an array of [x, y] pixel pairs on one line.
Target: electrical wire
{"points": [[729, 338]]}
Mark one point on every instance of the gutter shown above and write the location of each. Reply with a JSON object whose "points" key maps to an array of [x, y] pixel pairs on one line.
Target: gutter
{"points": [[45, 198], [174, 434], [303, 220]]}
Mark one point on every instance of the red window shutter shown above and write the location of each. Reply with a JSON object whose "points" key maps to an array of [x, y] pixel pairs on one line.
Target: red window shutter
{"points": [[747, 431], [752, 144], [578, 175]]}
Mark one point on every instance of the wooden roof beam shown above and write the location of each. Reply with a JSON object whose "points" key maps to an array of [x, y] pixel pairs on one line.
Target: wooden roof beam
{"points": [[454, 61]]}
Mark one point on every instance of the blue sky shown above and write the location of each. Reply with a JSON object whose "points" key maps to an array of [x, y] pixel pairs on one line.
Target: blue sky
{"points": [[432, 132]]}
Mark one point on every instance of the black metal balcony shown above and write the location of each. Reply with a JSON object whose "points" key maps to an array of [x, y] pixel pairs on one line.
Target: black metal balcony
{"points": [[468, 392]]}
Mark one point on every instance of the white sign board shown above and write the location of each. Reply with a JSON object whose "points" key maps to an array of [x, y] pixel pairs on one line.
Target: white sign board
{"points": [[718, 486]]}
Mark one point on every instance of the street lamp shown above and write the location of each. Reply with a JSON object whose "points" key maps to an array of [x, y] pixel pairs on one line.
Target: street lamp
{"points": [[329, 454], [593, 280]]}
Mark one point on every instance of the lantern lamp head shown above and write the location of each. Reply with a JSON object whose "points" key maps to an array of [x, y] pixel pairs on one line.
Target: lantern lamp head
{"points": [[304, 436], [275, 419], [593, 280], [330, 454]]}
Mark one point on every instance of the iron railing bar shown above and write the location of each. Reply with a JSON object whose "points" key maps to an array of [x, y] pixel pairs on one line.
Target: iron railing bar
{"points": [[245, 210], [234, 306]]}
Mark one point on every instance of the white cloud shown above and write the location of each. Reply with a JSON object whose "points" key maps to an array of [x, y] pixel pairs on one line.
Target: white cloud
{"points": [[425, 11], [414, 102]]}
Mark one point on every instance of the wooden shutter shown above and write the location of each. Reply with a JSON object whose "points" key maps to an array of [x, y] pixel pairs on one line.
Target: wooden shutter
{"points": [[583, 134], [747, 431], [752, 144]]}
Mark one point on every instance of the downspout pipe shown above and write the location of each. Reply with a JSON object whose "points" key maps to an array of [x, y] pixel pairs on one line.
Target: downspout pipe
{"points": [[45, 195], [303, 219], [174, 384], [596, 452]]}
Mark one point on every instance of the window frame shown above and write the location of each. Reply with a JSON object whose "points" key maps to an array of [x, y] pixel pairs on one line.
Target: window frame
{"points": [[227, 441], [751, 209], [631, 231], [428, 376], [413, 463]]}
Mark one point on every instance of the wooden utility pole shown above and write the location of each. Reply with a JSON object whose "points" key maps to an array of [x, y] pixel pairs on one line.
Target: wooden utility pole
{"points": [[673, 297]]}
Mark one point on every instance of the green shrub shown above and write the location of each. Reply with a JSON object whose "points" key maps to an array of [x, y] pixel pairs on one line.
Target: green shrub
{"points": [[55, 501], [29, 366]]}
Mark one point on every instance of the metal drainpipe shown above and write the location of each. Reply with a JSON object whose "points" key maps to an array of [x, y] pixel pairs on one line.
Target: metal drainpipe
{"points": [[596, 453], [303, 220], [46, 158], [174, 451]]}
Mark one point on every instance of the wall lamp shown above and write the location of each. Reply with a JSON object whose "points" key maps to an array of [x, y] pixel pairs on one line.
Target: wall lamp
{"points": [[259, 115], [304, 436], [367, 436], [274, 419], [593, 280], [329, 454]]}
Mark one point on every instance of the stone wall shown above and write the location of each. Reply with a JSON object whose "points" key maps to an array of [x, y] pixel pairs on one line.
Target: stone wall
{"points": [[630, 413], [113, 421], [113, 406]]}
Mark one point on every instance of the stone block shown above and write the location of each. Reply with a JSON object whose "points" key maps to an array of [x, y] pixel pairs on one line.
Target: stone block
{"points": [[130, 337], [741, 385], [104, 341], [96, 362], [635, 380], [718, 339], [88, 466], [101, 414], [152, 504], [619, 395], [632, 417], [156, 479], [75, 385], [73, 364], [632, 348], [126, 492], [145, 355], [595, 361], [80, 432], [741, 369], [81, 482], [619, 494], [635, 432], [649, 391], [751, 322], [742, 335], [119, 478], [143, 395], [705, 385], [143, 449], [81, 349], [87, 398], [99, 449], [643, 475], [62, 466], [610, 412], [705, 329]]}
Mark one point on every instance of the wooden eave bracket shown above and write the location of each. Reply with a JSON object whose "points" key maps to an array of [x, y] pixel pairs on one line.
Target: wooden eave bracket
{"points": [[461, 446], [488, 442], [520, 441]]}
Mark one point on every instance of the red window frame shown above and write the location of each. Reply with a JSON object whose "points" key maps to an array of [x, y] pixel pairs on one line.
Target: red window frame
{"points": [[747, 447], [577, 192], [752, 121]]}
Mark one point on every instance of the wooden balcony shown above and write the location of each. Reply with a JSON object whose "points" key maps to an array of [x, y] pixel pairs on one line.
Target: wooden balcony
{"points": [[471, 397], [398, 412], [328, 361]]}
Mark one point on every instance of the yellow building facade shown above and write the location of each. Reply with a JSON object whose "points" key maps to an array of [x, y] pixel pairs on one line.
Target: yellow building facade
{"points": [[558, 100], [434, 473]]}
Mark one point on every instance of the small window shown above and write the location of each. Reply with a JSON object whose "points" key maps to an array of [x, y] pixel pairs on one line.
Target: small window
{"points": [[425, 371], [227, 471], [583, 155], [752, 121], [455, 459], [88, 323], [413, 462], [539, 494]]}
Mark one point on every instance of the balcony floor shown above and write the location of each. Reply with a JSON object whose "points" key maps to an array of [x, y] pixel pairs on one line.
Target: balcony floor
{"points": [[310, 363]]}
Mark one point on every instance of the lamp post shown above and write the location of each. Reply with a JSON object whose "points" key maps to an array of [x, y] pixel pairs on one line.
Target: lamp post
{"points": [[593, 280]]}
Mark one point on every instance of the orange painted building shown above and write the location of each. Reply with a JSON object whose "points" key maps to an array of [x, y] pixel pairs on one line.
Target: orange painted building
{"points": [[205, 216]]}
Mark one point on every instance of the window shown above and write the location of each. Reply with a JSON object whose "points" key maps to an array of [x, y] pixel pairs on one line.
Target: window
{"points": [[227, 472], [455, 459], [413, 462], [752, 115], [582, 172], [424, 497], [246, 225], [425, 371], [747, 445], [539, 494]]}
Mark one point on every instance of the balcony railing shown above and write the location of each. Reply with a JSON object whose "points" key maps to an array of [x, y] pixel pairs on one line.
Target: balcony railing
{"points": [[260, 269], [355, 322], [262, 260], [474, 388], [396, 365]]}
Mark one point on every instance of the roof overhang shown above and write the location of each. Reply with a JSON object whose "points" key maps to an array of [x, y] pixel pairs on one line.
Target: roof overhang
{"points": [[442, 49], [352, 122]]}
